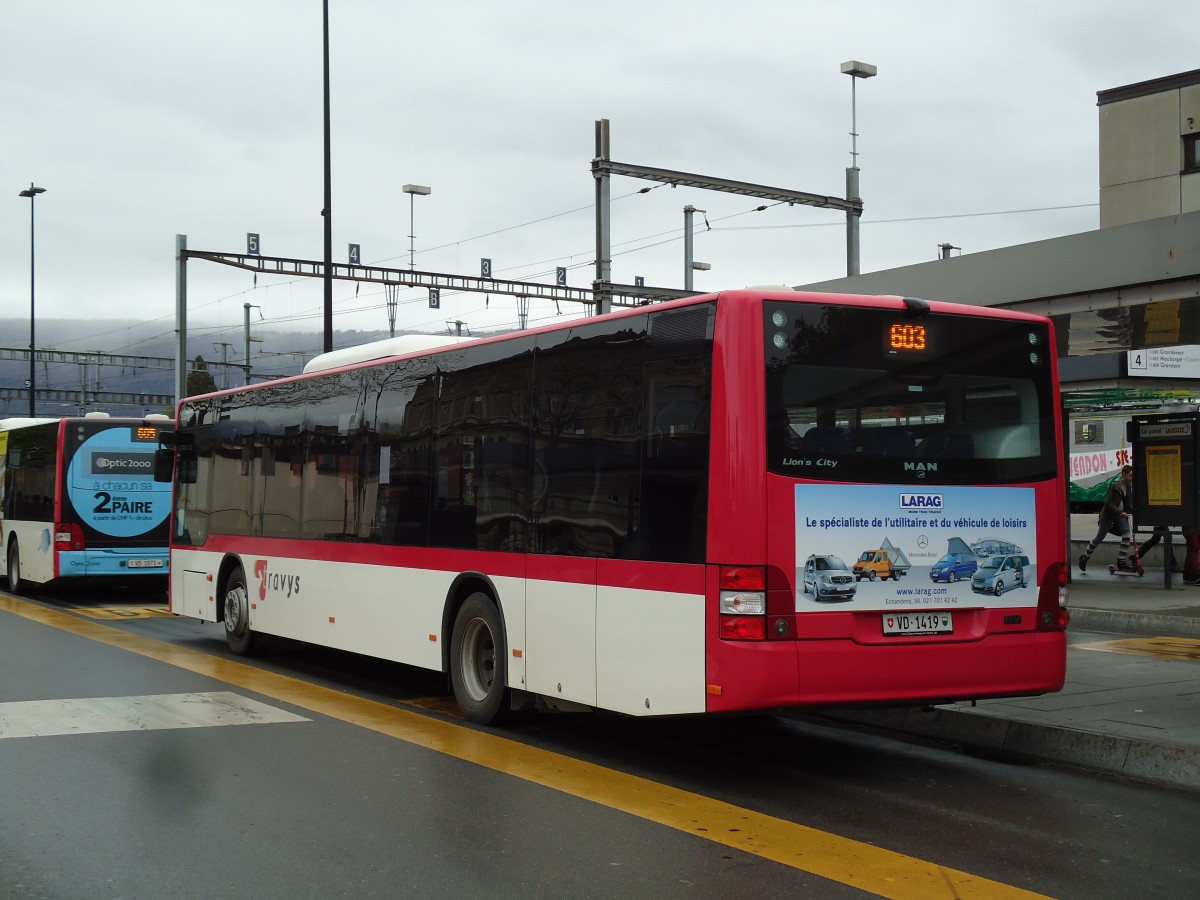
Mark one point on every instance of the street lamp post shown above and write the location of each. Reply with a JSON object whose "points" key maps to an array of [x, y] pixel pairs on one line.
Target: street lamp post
{"points": [[855, 70], [412, 190], [31, 193]]}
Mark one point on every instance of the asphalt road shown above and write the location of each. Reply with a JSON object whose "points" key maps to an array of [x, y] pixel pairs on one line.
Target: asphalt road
{"points": [[180, 771]]}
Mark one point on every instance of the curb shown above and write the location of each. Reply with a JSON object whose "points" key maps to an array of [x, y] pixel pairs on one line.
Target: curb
{"points": [[1112, 622], [1172, 765]]}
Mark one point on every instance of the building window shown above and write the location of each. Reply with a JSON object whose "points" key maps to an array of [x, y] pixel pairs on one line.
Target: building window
{"points": [[1191, 153]]}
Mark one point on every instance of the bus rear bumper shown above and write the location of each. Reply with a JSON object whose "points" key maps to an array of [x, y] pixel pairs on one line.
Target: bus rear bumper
{"points": [[840, 672]]}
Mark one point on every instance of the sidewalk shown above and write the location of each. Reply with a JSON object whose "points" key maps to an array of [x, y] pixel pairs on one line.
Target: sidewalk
{"points": [[1119, 712]]}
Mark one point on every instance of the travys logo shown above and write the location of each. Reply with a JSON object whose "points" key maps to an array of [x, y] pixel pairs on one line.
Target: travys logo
{"points": [[913, 502], [277, 582]]}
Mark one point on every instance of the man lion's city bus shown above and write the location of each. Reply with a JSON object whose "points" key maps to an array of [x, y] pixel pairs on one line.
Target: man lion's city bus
{"points": [[78, 499], [627, 512]]}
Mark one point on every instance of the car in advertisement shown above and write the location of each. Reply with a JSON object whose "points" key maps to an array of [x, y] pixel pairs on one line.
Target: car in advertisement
{"points": [[827, 577], [998, 574], [959, 563]]}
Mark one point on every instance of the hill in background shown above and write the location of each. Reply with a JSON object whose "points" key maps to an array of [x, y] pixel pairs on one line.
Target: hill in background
{"points": [[273, 354]]}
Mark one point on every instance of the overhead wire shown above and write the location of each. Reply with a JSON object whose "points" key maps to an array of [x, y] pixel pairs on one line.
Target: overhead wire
{"points": [[654, 240]]}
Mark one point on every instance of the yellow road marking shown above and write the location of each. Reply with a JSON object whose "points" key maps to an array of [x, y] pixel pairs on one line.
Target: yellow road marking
{"points": [[122, 612], [885, 873], [1178, 648]]}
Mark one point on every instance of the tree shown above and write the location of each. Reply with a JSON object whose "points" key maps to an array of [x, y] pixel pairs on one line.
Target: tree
{"points": [[200, 380]]}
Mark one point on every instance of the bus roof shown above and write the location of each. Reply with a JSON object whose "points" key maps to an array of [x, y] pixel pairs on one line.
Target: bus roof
{"points": [[395, 346]]}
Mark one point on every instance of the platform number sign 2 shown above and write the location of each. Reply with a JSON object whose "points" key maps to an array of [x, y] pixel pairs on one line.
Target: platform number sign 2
{"points": [[560, 276]]}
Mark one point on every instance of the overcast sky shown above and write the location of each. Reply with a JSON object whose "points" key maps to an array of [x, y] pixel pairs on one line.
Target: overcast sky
{"points": [[144, 119]]}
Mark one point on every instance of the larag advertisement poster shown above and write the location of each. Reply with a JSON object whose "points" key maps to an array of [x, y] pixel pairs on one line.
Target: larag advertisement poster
{"points": [[890, 547]]}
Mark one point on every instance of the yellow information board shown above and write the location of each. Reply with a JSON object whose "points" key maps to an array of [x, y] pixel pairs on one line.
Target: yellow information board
{"points": [[1164, 475]]}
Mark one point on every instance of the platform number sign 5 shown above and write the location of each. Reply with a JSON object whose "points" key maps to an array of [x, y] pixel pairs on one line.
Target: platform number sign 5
{"points": [[252, 244]]}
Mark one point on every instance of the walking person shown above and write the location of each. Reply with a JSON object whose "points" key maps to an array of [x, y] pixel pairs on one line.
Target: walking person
{"points": [[1160, 531], [1114, 518]]}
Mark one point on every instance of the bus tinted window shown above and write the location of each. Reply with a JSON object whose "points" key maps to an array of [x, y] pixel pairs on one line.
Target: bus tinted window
{"points": [[856, 394], [588, 441]]}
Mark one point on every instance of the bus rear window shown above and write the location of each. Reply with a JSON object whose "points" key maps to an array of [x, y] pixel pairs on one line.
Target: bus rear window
{"points": [[866, 395]]}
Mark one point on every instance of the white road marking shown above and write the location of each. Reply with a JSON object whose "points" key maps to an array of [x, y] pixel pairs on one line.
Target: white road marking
{"points": [[94, 715]]}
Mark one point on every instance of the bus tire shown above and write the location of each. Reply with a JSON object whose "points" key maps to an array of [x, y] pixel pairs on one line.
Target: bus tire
{"points": [[235, 610], [14, 569], [477, 661]]}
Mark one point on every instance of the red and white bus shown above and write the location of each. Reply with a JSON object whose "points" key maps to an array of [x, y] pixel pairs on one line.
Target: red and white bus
{"points": [[653, 511], [78, 500]]}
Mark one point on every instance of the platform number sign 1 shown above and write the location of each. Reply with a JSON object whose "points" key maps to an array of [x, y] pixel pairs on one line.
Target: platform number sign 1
{"points": [[639, 280], [560, 276], [435, 298], [485, 267], [252, 244], [355, 254]]}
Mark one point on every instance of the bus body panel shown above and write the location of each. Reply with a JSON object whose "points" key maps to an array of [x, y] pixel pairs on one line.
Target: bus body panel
{"points": [[35, 541], [650, 638], [737, 479], [641, 646], [560, 641]]}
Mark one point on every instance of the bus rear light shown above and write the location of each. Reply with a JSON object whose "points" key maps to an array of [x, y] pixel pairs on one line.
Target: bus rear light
{"points": [[743, 628], [743, 578], [68, 537], [743, 603], [1054, 621], [1052, 613]]}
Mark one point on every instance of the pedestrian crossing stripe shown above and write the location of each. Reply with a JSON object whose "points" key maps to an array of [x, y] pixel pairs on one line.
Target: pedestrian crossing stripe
{"points": [[97, 715]]}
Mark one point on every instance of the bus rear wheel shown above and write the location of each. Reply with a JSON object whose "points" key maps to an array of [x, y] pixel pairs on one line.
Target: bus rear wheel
{"points": [[477, 661], [236, 613], [14, 569]]}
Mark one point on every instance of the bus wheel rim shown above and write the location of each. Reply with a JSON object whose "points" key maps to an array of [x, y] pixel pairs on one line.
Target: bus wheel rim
{"points": [[235, 605], [478, 660]]}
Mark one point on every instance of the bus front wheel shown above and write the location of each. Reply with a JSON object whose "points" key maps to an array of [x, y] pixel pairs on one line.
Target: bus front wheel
{"points": [[14, 569], [236, 613], [477, 661]]}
